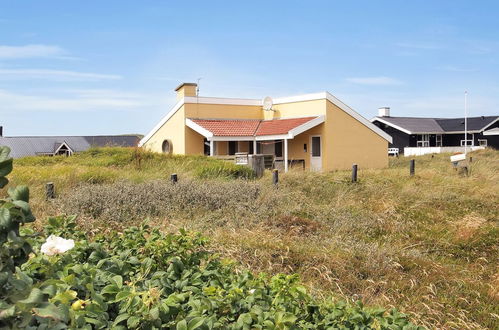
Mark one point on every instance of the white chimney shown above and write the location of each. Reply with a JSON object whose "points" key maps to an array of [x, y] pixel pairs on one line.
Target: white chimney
{"points": [[384, 112]]}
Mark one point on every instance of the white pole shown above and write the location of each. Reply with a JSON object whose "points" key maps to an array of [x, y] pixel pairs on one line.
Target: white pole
{"points": [[212, 148], [254, 147], [285, 155], [465, 122]]}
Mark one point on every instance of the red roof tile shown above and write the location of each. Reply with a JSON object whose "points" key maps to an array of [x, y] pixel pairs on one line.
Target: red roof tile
{"points": [[280, 126], [229, 127], [248, 127]]}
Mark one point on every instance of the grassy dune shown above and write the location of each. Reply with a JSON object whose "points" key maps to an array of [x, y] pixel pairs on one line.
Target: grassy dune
{"points": [[427, 244]]}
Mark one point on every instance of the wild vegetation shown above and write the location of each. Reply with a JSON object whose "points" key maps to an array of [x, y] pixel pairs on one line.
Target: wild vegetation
{"points": [[141, 278], [426, 244]]}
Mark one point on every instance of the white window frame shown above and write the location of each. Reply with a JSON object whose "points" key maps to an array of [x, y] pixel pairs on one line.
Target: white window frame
{"points": [[463, 143], [482, 142], [471, 142], [425, 140], [438, 140]]}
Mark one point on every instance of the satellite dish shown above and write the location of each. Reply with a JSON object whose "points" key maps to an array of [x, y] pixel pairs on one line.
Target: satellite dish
{"points": [[267, 103]]}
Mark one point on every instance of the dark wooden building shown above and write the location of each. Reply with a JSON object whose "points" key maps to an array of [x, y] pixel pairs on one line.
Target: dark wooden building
{"points": [[416, 132]]}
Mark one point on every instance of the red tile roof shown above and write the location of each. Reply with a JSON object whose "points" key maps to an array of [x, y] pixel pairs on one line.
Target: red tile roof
{"points": [[280, 126], [250, 127], [229, 127]]}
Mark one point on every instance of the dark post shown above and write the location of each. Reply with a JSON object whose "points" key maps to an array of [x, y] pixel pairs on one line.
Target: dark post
{"points": [[174, 178], [354, 173], [412, 167], [49, 190], [471, 159], [275, 177]]}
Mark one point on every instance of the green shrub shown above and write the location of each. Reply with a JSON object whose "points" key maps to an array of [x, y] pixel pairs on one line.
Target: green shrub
{"points": [[145, 279]]}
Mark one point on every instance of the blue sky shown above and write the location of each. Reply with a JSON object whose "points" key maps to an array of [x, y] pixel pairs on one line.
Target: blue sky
{"points": [[110, 67]]}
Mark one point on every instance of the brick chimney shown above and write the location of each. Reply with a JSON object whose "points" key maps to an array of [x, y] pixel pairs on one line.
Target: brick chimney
{"points": [[384, 112], [186, 89]]}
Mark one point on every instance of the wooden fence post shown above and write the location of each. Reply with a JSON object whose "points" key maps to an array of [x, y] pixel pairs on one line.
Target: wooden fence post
{"points": [[49, 190], [174, 178], [412, 167], [354, 173], [275, 177]]}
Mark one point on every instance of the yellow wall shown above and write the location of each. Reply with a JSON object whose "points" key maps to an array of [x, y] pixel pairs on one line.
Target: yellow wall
{"points": [[175, 130], [296, 109], [295, 146], [211, 111], [348, 141]]}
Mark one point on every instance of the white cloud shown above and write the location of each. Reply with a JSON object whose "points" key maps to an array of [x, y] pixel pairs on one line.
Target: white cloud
{"points": [[376, 81], [59, 75], [29, 51], [105, 100]]}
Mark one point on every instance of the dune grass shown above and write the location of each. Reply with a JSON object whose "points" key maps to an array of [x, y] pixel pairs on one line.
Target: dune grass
{"points": [[427, 244]]}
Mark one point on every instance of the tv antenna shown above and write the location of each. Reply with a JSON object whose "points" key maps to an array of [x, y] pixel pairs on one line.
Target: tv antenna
{"points": [[197, 87], [268, 103]]}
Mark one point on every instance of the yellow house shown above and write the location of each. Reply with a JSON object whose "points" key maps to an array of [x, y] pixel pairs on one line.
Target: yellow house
{"points": [[316, 130]]}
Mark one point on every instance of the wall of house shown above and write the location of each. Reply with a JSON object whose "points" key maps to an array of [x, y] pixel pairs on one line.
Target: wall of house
{"points": [[454, 140], [297, 109], [400, 139], [226, 111], [347, 141], [296, 146], [492, 140], [173, 130]]}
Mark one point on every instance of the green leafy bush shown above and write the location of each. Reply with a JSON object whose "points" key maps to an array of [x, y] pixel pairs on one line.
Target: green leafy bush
{"points": [[142, 278]]}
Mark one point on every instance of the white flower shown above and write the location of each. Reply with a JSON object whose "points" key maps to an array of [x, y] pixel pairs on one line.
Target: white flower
{"points": [[56, 245], [252, 291]]}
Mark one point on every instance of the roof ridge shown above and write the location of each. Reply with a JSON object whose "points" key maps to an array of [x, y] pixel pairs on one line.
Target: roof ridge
{"points": [[257, 127]]}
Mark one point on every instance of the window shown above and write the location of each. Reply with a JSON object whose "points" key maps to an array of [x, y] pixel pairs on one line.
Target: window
{"points": [[469, 141], [423, 140], [482, 142], [166, 147], [316, 146], [250, 147], [206, 147], [438, 140], [466, 142], [232, 147], [278, 148]]}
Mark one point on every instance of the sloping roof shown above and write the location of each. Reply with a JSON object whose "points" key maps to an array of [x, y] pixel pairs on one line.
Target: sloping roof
{"points": [[113, 140], [229, 127], [22, 146], [415, 125], [474, 123], [250, 127], [280, 126]]}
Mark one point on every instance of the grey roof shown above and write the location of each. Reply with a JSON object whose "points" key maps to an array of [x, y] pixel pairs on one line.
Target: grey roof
{"points": [[437, 125], [22, 146], [474, 123]]}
